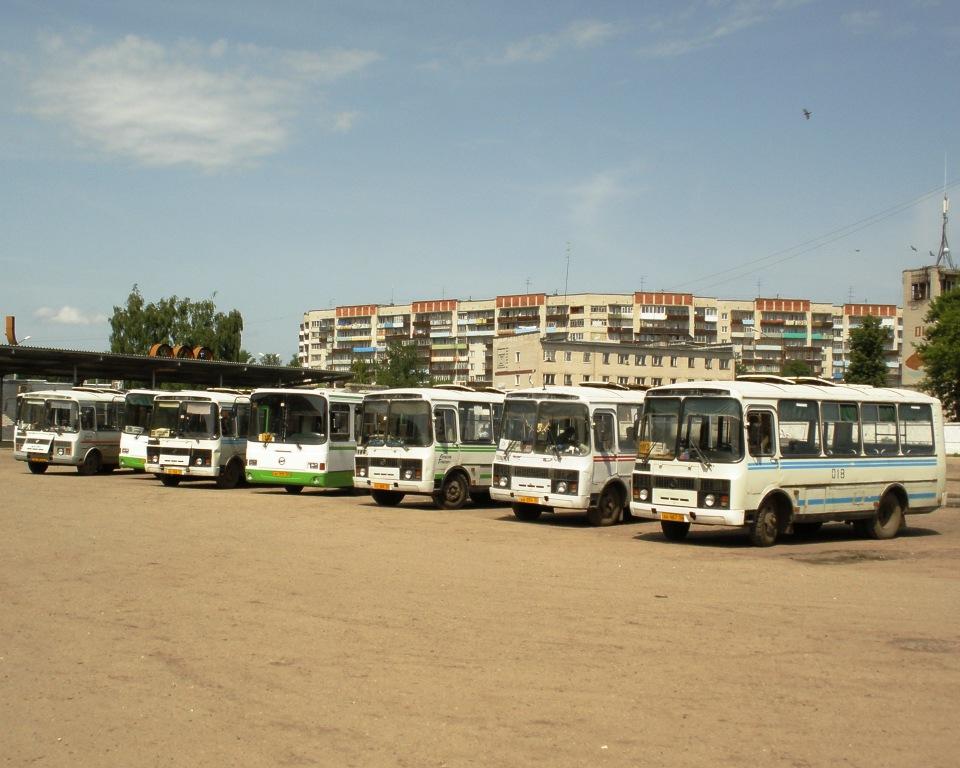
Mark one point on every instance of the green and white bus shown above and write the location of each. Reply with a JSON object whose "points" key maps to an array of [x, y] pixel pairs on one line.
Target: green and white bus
{"points": [[776, 455], [436, 442], [137, 410], [302, 438]]}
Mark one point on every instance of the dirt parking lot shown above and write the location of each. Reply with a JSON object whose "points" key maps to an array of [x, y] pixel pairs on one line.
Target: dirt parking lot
{"points": [[152, 626]]}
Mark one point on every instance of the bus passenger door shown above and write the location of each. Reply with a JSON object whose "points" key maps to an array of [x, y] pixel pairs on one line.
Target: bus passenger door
{"points": [[445, 435], [604, 448], [763, 463]]}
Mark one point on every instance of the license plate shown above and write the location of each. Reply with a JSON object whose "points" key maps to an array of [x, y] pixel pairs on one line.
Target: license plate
{"points": [[528, 499], [280, 474], [381, 486], [39, 459], [672, 516], [173, 471]]}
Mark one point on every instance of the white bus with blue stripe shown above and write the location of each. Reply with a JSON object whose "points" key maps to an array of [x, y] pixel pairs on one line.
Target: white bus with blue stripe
{"points": [[778, 456]]}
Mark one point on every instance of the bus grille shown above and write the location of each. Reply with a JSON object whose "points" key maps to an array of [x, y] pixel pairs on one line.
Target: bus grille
{"points": [[539, 473], [675, 483]]}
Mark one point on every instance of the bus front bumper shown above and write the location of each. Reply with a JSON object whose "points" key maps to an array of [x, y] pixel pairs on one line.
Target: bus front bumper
{"points": [[132, 462], [207, 473], [392, 484], [557, 501], [260, 476], [702, 516]]}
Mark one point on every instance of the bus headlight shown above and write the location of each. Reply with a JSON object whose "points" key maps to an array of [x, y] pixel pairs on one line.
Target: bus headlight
{"points": [[59, 451], [709, 500], [504, 481], [562, 487], [198, 461], [362, 471], [643, 494], [408, 474]]}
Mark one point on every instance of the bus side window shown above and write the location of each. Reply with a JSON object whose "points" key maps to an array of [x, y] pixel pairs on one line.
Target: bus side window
{"points": [[760, 433], [445, 425], [243, 419], [916, 429], [88, 418], [603, 431], [340, 422], [228, 422]]}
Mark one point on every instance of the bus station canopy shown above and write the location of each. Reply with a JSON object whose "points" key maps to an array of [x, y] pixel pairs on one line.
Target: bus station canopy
{"points": [[77, 366]]}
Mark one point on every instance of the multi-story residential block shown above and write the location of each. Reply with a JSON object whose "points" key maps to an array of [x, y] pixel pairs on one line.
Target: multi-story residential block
{"points": [[457, 338]]}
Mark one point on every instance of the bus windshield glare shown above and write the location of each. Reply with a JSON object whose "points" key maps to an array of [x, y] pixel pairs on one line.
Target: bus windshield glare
{"points": [[699, 429], [63, 415], [548, 427], [396, 423], [172, 418], [288, 418], [31, 414], [136, 413]]}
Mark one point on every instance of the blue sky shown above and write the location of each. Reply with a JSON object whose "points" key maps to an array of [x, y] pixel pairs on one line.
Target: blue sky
{"points": [[299, 155]]}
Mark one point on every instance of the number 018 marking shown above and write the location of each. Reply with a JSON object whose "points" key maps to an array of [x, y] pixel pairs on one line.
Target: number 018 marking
{"points": [[837, 474]]}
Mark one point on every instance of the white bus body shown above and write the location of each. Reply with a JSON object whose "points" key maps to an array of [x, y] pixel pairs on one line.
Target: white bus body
{"points": [[198, 435], [137, 409], [302, 438], [77, 427], [436, 442], [567, 449], [780, 457]]}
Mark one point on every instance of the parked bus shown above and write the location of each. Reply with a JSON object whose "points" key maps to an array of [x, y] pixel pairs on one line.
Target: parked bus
{"points": [[78, 427], [568, 449], [137, 409], [435, 442], [302, 438], [778, 456], [199, 435]]}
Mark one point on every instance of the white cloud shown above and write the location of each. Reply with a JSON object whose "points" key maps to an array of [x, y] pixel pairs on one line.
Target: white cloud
{"points": [[67, 315], [590, 199], [688, 32], [578, 35], [212, 106], [343, 121]]}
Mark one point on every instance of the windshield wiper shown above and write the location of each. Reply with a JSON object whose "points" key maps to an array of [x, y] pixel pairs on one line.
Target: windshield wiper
{"points": [[704, 461]]}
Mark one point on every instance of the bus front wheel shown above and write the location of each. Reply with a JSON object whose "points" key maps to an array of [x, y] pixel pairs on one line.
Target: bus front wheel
{"points": [[36, 467], [387, 498], [91, 464], [170, 481], [230, 476], [674, 531], [886, 523], [764, 529], [294, 489], [453, 493], [609, 508]]}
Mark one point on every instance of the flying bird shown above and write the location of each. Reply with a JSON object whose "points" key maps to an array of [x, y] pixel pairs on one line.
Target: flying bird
{"points": [[807, 113], [913, 247]]}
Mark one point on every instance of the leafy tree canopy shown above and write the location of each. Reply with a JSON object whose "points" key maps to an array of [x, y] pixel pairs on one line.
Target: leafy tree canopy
{"points": [[399, 366], [867, 353], [270, 358], [138, 325], [795, 368], [295, 361], [940, 351]]}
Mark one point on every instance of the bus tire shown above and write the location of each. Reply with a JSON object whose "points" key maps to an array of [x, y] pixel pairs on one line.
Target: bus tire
{"points": [[887, 522], [36, 467], [527, 512], [170, 481], [609, 509], [106, 469], [387, 498], [765, 527], [230, 476], [453, 493], [294, 489], [806, 529], [673, 530], [91, 464]]}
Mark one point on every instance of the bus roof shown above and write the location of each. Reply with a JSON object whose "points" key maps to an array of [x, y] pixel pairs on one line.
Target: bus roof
{"points": [[344, 394], [87, 394], [787, 389], [588, 394], [434, 394], [204, 394]]}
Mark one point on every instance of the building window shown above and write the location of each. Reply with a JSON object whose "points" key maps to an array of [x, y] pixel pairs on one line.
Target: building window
{"points": [[567, 379], [918, 332], [623, 359], [567, 356], [516, 380], [673, 381], [605, 379], [691, 362], [673, 361], [641, 360], [606, 358], [641, 380], [709, 363], [623, 380], [657, 381], [516, 358], [576, 337], [657, 361], [586, 357], [548, 356], [549, 378], [598, 308], [724, 365]]}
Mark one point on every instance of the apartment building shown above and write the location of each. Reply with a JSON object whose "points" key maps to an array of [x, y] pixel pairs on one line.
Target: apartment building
{"points": [[456, 338]]}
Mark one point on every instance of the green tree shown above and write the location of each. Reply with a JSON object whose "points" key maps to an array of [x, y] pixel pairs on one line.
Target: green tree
{"points": [[363, 371], [867, 358], [295, 361], [940, 351], [401, 366], [270, 358], [795, 368], [138, 325]]}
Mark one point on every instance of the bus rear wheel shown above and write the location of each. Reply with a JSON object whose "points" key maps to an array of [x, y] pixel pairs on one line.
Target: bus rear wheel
{"points": [[765, 527], [91, 464], [886, 523], [526, 512], [387, 498], [674, 531], [609, 508], [36, 467]]}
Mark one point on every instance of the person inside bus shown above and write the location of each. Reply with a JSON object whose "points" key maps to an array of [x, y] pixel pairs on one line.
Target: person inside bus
{"points": [[759, 429]]}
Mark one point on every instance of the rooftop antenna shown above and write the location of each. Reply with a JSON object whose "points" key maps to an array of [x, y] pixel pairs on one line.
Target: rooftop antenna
{"points": [[566, 279], [527, 285], [944, 259]]}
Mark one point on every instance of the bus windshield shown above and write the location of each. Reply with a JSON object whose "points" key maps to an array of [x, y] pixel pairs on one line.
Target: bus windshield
{"points": [[396, 423], [173, 418], [548, 427], [288, 418], [31, 414], [136, 413], [700, 429], [63, 415]]}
